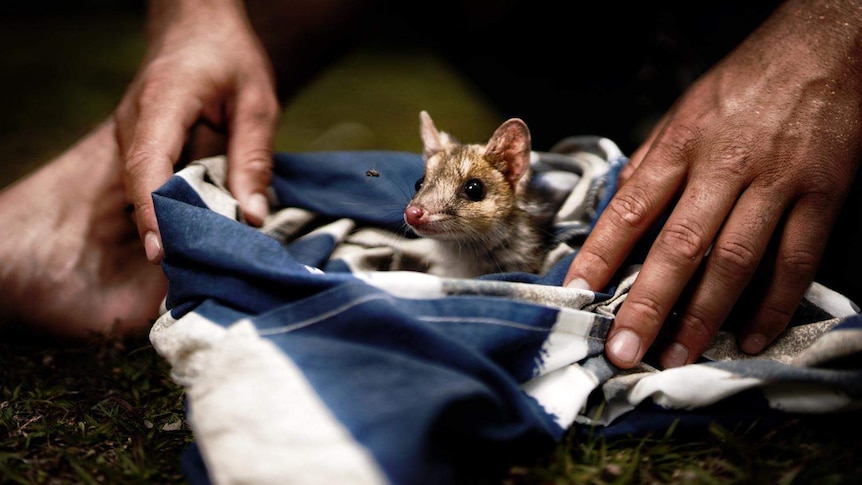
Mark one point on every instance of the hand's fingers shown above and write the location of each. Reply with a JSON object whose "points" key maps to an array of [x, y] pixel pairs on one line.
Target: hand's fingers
{"points": [[674, 257], [802, 242], [250, 152], [731, 263], [154, 139], [630, 213]]}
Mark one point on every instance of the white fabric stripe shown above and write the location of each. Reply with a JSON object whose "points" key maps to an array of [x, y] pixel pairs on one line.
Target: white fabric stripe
{"points": [[689, 387], [562, 393], [404, 284], [831, 301], [425, 318], [483, 321], [215, 195], [562, 386], [567, 342], [283, 435], [323, 316]]}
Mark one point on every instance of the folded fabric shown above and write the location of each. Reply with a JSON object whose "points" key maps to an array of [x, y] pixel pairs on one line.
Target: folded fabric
{"points": [[317, 350]]}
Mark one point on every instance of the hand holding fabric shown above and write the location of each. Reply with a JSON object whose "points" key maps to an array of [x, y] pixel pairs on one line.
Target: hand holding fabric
{"points": [[753, 164], [205, 65]]}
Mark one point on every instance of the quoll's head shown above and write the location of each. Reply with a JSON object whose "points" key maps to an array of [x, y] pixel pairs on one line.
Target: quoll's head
{"points": [[468, 190]]}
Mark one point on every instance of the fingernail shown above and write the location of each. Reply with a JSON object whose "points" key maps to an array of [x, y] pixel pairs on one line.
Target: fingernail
{"points": [[676, 355], [754, 343], [153, 247], [625, 346], [578, 284], [257, 207]]}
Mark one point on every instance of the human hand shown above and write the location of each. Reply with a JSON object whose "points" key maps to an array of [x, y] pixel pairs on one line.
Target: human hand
{"points": [[205, 65], [760, 151]]}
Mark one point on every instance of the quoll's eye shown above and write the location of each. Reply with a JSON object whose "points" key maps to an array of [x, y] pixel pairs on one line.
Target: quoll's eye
{"points": [[419, 183], [474, 189]]}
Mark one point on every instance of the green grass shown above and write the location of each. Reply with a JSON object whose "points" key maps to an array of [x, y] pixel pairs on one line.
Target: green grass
{"points": [[106, 412], [109, 413], [811, 449]]}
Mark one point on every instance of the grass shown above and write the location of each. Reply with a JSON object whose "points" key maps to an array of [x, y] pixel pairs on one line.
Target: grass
{"points": [[108, 412], [812, 449]]}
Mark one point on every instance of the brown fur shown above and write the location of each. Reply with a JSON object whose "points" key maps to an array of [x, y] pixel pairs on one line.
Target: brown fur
{"points": [[494, 234]]}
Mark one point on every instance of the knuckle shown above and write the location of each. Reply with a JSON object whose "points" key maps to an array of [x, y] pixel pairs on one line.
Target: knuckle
{"points": [[263, 115], [593, 261], [678, 139], [137, 159], [734, 156], [821, 186], [257, 161], [695, 328], [261, 107], [682, 240], [253, 172], [799, 262], [144, 210], [649, 309], [734, 258], [140, 157], [629, 209]]}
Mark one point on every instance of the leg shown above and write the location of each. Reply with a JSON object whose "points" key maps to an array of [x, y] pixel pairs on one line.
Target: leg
{"points": [[71, 264]]}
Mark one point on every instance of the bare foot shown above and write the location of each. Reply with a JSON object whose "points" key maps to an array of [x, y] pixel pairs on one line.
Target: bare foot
{"points": [[71, 262]]}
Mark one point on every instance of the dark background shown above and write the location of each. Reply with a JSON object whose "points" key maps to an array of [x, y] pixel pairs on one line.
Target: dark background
{"points": [[567, 70]]}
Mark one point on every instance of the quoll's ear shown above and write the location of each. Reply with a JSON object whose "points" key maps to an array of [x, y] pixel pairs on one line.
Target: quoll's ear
{"points": [[509, 149], [434, 141]]}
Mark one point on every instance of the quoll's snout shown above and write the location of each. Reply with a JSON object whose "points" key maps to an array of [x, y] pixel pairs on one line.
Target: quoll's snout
{"points": [[415, 216]]}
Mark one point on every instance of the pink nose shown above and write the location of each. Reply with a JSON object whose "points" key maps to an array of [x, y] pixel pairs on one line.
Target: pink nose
{"points": [[413, 215]]}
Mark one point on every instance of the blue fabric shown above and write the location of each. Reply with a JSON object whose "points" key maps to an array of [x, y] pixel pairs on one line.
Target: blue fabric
{"points": [[420, 382]]}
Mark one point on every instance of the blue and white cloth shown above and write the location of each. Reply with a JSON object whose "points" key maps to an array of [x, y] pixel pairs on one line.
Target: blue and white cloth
{"points": [[317, 350]]}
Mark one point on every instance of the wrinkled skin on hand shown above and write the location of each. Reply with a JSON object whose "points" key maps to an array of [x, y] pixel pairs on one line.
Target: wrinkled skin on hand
{"points": [[203, 65], [751, 165]]}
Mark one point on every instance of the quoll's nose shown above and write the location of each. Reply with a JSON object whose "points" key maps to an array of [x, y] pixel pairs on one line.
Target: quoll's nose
{"points": [[413, 215]]}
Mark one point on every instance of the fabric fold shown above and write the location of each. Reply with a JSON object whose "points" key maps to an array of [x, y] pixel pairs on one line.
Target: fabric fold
{"points": [[317, 347]]}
